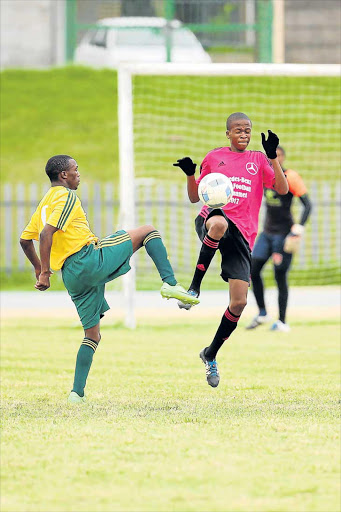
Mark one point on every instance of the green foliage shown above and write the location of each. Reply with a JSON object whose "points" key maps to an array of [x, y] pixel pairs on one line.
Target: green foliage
{"points": [[153, 436]]}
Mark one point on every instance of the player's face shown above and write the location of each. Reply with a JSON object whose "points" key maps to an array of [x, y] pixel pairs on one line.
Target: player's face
{"points": [[239, 134], [72, 175], [280, 156]]}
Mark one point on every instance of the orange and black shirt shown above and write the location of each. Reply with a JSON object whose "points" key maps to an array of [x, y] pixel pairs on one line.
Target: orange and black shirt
{"points": [[278, 218]]}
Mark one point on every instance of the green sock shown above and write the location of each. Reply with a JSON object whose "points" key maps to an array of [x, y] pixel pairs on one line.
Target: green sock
{"points": [[83, 363], [157, 251]]}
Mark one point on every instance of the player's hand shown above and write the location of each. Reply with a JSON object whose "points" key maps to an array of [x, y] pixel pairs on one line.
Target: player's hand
{"points": [[292, 241], [270, 145], [43, 282], [186, 164]]}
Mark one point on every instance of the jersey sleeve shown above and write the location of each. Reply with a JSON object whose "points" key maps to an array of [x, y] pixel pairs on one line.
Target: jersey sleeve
{"points": [[268, 173], [63, 211], [296, 184], [31, 232], [204, 169]]}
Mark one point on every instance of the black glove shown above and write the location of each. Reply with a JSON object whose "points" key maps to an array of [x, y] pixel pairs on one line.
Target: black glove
{"points": [[187, 165], [270, 145]]}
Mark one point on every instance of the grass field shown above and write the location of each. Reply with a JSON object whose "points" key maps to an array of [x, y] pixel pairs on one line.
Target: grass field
{"points": [[153, 436]]}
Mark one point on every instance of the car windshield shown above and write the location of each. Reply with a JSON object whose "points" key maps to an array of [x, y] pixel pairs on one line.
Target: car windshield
{"points": [[150, 36]]}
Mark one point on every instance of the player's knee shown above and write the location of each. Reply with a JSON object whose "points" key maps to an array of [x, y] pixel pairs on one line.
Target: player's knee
{"points": [[93, 333], [148, 228], [237, 305], [256, 267], [218, 228]]}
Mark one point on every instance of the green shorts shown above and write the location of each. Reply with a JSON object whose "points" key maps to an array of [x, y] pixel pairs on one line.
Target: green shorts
{"points": [[86, 272]]}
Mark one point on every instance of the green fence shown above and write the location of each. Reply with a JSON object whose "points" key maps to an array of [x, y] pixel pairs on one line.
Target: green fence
{"points": [[167, 207], [228, 30]]}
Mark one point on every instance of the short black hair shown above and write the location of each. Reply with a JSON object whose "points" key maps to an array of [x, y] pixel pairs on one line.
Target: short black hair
{"points": [[234, 116], [281, 148], [56, 164]]}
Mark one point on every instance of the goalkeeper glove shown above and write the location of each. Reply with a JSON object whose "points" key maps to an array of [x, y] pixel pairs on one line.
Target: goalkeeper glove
{"points": [[293, 239], [270, 145], [187, 165]]}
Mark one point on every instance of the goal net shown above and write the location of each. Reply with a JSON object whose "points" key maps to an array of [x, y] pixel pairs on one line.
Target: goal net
{"points": [[169, 111]]}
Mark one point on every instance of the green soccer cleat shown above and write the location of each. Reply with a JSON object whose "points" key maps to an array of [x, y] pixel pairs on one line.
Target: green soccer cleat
{"points": [[74, 398], [187, 307], [178, 292]]}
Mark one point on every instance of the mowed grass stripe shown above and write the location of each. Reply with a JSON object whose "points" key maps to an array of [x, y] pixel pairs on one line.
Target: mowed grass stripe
{"points": [[154, 436]]}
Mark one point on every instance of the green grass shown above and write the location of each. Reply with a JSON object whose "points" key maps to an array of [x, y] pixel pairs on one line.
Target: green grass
{"points": [[74, 110], [67, 110], [154, 436]]}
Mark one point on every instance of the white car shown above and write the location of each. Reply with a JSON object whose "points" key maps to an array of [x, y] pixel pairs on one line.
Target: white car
{"points": [[138, 39]]}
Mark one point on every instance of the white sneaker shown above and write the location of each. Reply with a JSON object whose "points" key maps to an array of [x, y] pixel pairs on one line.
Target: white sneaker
{"points": [[258, 320], [74, 398], [280, 326]]}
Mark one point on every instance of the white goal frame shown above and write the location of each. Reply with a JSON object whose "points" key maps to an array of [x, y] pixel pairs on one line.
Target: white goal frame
{"points": [[126, 130]]}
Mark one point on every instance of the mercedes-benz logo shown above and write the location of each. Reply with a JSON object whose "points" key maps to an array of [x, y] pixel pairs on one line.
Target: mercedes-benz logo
{"points": [[252, 168]]}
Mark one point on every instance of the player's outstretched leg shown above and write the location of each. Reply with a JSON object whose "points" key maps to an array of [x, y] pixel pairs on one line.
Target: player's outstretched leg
{"points": [[83, 364], [150, 238], [216, 227], [238, 294]]}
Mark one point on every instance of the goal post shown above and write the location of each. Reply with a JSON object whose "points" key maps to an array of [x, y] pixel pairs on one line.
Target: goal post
{"points": [[127, 181], [166, 111]]}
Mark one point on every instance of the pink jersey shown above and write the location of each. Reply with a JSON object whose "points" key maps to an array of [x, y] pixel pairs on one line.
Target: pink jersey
{"points": [[249, 172]]}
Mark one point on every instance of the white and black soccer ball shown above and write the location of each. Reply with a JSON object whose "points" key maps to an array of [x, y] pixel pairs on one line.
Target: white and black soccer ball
{"points": [[215, 190]]}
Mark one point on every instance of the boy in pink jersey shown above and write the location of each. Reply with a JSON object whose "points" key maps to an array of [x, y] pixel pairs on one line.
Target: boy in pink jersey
{"points": [[233, 228]]}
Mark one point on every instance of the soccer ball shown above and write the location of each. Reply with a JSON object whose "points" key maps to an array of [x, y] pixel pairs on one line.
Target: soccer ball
{"points": [[215, 190]]}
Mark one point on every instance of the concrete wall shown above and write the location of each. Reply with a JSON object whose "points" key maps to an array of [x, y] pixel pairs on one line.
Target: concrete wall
{"points": [[312, 31], [32, 33]]}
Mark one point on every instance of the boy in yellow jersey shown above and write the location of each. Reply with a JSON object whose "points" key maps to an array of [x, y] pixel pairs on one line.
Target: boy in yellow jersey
{"points": [[87, 263]]}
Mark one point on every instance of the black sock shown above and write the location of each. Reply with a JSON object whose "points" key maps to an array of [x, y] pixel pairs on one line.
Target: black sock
{"points": [[227, 325], [207, 251]]}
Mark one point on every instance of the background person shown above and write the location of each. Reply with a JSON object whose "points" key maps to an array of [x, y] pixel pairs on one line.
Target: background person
{"points": [[280, 239]]}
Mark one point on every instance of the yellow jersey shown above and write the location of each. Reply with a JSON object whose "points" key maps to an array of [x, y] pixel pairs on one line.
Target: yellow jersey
{"points": [[61, 208]]}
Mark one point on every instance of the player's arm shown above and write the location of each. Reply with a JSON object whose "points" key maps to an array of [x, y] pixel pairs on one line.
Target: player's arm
{"points": [[30, 233], [30, 252], [298, 189], [45, 239], [305, 200], [188, 167], [270, 146]]}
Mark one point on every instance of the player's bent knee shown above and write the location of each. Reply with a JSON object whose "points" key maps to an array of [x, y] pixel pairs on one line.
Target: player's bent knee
{"points": [[148, 228], [218, 227]]}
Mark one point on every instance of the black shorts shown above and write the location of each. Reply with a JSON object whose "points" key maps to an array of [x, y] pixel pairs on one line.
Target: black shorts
{"points": [[234, 249]]}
